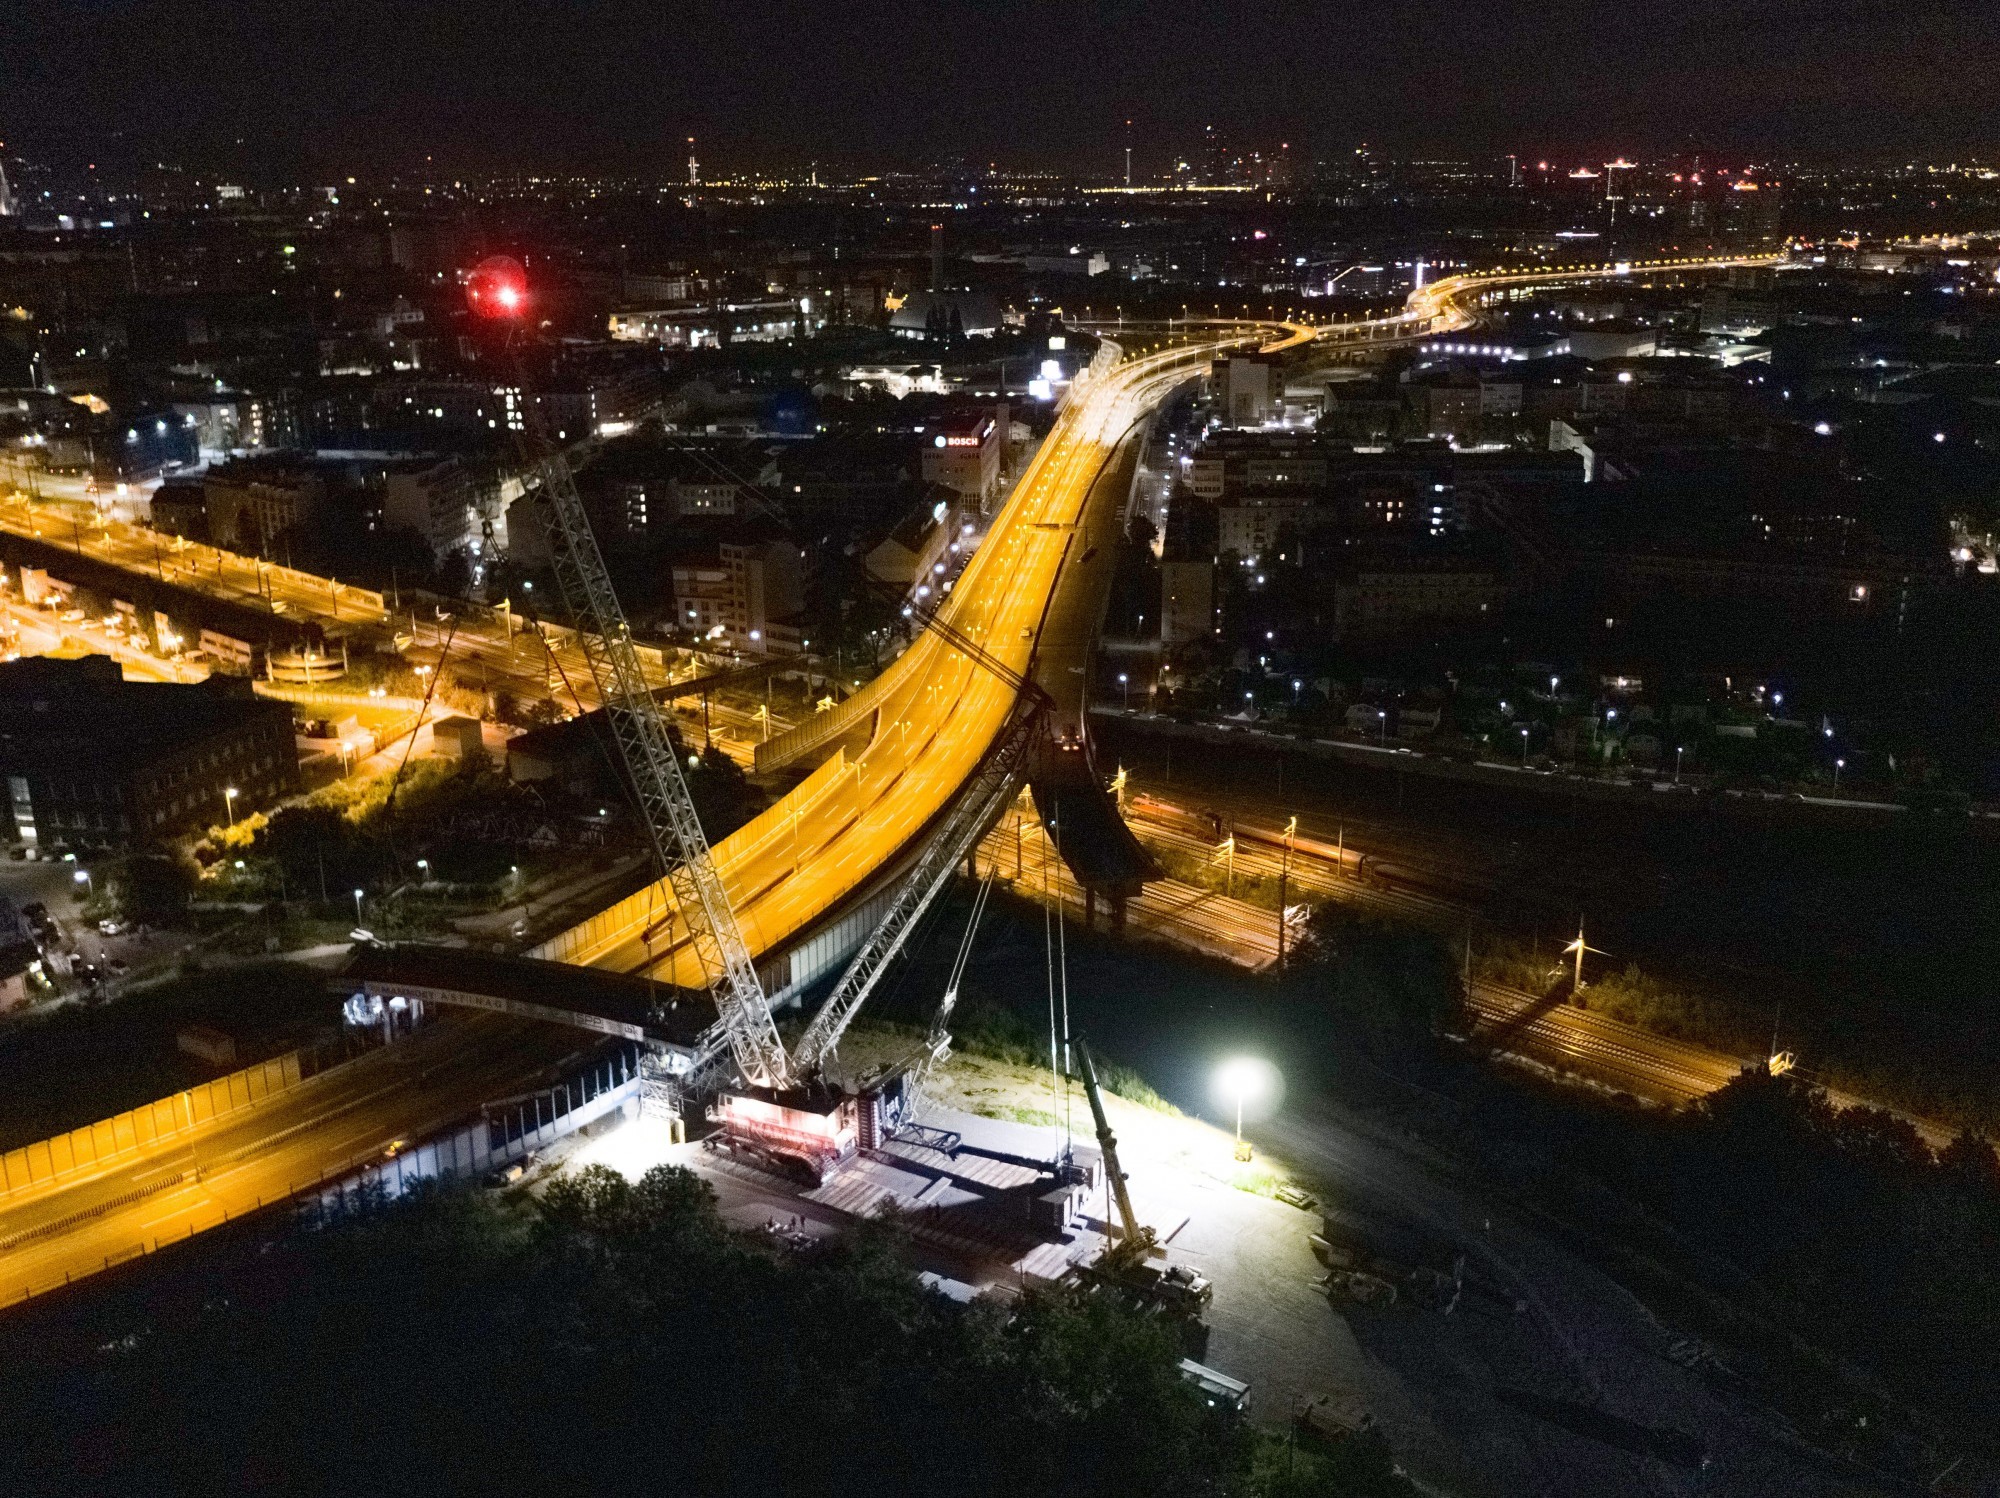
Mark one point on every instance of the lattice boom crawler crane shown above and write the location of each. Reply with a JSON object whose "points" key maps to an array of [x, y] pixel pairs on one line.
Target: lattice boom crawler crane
{"points": [[744, 1031], [786, 1109]]}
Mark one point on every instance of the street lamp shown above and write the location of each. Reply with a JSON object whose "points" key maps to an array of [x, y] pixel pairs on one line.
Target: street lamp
{"points": [[1524, 746], [1838, 766], [229, 805], [424, 866], [1125, 682], [82, 876], [1679, 750], [357, 907], [1284, 877]]}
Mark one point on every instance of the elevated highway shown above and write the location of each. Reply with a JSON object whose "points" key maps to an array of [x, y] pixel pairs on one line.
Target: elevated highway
{"points": [[897, 755], [1456, 302], [893, 756], [899, 750]]}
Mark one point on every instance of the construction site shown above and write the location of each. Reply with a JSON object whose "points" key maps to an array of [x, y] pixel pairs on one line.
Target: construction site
{"points": [[815, 1132]]}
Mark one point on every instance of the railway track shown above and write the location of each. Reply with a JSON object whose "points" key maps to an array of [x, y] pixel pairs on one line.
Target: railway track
{"points": [[1560, 1034]]}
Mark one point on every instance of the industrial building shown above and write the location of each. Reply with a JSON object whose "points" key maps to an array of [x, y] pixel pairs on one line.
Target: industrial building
{"points": [[92, 760]]}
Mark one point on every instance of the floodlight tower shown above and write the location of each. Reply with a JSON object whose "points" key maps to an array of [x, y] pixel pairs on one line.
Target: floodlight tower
{"points": [[499, 290]]}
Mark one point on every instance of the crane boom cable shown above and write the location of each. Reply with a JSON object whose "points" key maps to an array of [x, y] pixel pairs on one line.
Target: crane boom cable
{"points": [[964, 822]]}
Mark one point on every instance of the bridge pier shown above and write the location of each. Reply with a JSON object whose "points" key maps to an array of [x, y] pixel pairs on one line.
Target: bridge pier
{"points": [[1114, 908]]}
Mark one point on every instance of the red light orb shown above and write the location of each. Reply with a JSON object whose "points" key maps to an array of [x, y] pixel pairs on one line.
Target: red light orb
{"points": [[498, 288]]}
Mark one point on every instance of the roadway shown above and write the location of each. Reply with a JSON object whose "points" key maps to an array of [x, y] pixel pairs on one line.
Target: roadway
{"points": [[1454, 303], [507, 653], [209, 570], [323, 1127], [36, 632], [939, 710]]}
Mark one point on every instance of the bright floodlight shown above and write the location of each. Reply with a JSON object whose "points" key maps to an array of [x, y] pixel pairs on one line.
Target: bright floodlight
{"points": [[1250, 1087]]}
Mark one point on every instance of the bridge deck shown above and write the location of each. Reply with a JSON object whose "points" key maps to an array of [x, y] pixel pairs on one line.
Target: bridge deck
{"points": [[598, 999]]}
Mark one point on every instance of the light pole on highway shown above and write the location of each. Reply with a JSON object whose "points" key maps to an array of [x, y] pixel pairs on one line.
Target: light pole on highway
{"points": [[1284, 874]]}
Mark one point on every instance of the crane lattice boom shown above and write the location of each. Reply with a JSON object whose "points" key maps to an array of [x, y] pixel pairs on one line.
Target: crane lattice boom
{"points": [[680, 847]]}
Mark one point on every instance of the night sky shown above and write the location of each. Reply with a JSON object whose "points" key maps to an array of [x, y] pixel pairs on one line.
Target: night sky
{"points": [[323, 86]]}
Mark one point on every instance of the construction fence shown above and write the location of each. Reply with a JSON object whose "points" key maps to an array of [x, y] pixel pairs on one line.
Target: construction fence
{"points": [[605, 1083]]}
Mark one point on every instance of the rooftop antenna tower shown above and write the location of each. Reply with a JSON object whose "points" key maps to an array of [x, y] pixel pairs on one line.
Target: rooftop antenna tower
{"points": [[1614, 190]]}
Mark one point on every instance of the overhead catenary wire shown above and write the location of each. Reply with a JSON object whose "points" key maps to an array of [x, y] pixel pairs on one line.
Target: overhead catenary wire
{"points": [[630, 792]]}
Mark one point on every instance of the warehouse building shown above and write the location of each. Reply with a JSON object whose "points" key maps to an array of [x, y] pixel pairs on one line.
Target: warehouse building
{"points": [[93, 761]]}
